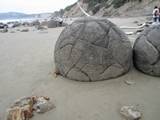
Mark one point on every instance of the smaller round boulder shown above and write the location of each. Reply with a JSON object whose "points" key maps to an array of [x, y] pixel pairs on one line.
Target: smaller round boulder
{"points": [[147, 51], [35, 23], [52, 24], [44, 23]]}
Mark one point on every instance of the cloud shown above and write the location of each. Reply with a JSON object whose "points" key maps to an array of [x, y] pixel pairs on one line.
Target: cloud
{"points": [[33, 6]]}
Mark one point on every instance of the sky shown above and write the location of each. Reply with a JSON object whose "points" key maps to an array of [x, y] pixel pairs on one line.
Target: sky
{"points": [[33, 6]]}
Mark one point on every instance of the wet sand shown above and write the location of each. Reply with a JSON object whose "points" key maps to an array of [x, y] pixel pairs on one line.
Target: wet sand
{"points": [[26, 68]]}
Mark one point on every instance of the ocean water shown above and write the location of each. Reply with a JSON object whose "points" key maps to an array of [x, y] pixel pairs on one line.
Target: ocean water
{"points": [[21, 20]]}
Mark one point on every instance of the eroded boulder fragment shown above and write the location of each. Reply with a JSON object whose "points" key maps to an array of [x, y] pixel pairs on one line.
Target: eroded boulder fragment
{"points": [[130, 113]]}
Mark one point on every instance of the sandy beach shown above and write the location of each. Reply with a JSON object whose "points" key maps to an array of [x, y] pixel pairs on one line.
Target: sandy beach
{"points": [[27, 67]]}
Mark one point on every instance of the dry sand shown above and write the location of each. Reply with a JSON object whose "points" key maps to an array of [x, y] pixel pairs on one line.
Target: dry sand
{"points": [[26, 68]]}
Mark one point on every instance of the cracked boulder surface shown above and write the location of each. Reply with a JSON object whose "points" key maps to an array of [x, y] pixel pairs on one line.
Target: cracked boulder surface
{"points": [[92, 49], [147, 51]]}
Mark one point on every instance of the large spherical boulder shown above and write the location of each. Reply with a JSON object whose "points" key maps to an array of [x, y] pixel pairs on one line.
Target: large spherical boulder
{"points": [[92, 49], [147, 51]]}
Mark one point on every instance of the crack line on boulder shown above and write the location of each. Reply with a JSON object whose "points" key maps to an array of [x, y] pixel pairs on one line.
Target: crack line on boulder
{"points": [[155, 49], [86, 74], [106, 33], [105, 69], [72, 67], [82, 29], [66, 45]]}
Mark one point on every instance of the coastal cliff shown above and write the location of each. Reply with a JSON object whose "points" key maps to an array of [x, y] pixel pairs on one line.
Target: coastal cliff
{"points": [[112, 8]]}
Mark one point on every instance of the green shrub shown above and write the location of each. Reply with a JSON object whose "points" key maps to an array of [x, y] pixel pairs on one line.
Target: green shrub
{"points": [[103, 3], [93, 3], [69, 7], [118, 3]]}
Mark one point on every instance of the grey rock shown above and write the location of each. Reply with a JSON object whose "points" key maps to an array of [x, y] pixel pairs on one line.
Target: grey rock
{"points": [[26, 24], [52, 24], [39, 27], [147, 51], [2, 26], [15, 24], [92, 50], [131, 113], [35, 23], [12, 31], [25, 30], [129, 82], [4, 30], [63, 24], [44, 23], [42, 105]]}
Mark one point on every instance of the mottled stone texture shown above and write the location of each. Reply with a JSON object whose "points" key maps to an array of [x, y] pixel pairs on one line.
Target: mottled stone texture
{"points": [[52, 24], [147, 51], [92, 50]]}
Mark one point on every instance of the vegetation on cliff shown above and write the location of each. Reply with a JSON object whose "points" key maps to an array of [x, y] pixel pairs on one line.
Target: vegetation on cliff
{"points": [[108, 3], [112, 7]]}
